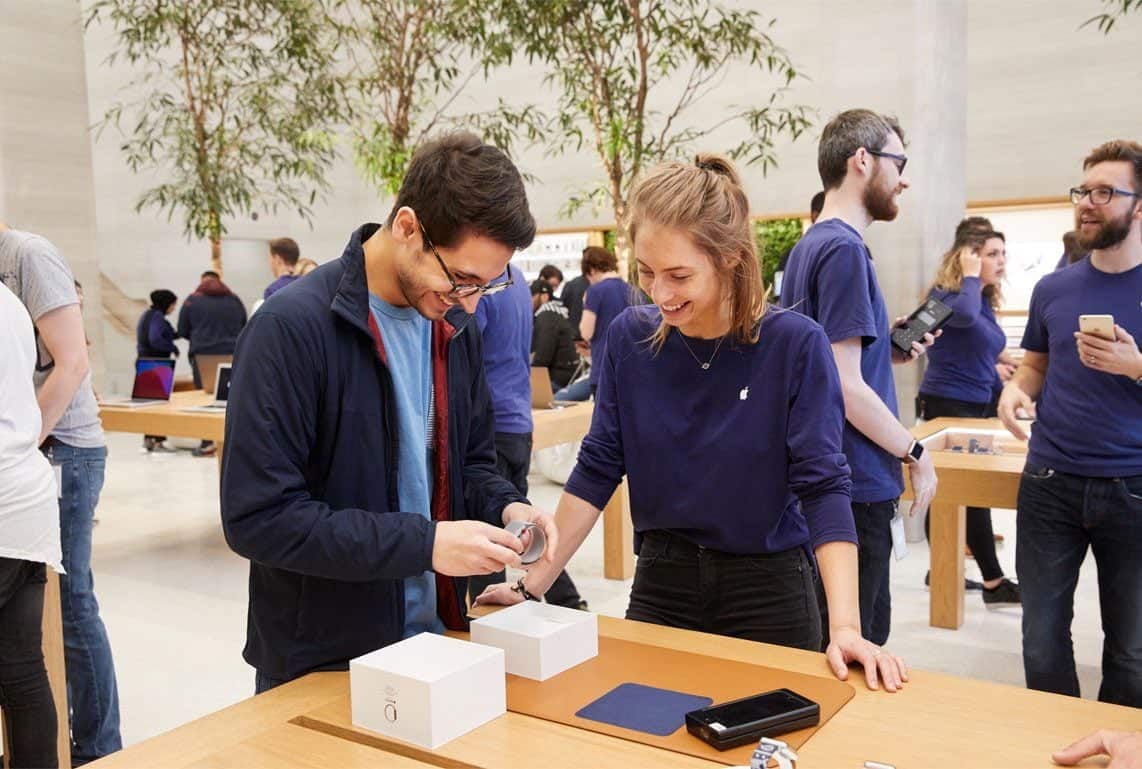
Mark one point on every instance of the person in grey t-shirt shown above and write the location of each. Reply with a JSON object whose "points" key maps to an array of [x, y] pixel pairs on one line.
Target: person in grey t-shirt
{"points": [[72, 438]]}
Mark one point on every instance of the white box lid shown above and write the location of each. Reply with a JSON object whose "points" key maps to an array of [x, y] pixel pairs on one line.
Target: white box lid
{"points": [[534, 619], [428, 657]]}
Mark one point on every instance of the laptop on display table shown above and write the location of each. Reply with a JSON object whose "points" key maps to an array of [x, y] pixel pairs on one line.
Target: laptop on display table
{"points": [[221, 392], [154, 380]]}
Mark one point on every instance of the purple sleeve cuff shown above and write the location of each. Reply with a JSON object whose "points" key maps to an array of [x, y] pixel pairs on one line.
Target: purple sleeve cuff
{"points": [[830, 518]]}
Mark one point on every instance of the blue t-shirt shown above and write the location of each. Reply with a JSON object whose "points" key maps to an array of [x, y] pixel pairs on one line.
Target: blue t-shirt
{"points": [[505, 321], [961, 364], [830, 278], [1088, 422], [407, 337], [607, 299], [744, 457], [278, 284]]}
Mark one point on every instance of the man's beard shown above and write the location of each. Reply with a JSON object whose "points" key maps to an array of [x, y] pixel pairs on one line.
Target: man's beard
{"points": [[1108, 235], [880, 203]]}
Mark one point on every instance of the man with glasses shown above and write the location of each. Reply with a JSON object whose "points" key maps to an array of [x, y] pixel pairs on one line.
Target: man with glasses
{"points": [[360, 472], [830, 278], [1082, 484]]}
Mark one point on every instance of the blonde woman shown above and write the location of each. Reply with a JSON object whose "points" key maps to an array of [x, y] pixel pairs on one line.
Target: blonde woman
{"points": [[967, 367], [726, 418]]}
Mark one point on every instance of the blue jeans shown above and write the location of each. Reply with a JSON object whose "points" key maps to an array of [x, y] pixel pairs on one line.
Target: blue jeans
{"points": [[579, 390], [1058, 517], [93, 696]]}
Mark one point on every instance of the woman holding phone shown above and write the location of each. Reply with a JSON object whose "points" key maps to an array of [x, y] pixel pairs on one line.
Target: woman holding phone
{"points": [[726, 417], [967, 367]]}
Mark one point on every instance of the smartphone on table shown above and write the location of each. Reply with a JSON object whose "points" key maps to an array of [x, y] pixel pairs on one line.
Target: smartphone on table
{"points": [[748, 719]]}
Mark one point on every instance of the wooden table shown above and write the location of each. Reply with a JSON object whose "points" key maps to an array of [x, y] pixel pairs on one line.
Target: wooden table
{"points": [[552, 427], [976, 480], [571, 423], [936, 721]]}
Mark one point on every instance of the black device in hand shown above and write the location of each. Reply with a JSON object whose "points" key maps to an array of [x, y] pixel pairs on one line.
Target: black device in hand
{"points": [[738, 722], [925, 320]]}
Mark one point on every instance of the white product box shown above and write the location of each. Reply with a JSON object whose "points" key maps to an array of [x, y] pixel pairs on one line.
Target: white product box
{"points": [[427, 689], [540, 640]]}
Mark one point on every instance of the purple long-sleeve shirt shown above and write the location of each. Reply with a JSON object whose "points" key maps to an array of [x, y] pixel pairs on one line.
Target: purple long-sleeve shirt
{"points": [[961, 364], [744, 457]]}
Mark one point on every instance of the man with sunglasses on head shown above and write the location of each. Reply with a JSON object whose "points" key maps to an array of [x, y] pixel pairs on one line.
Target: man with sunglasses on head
{"points": [[830, 278], [1082, 485], [360, 469]]}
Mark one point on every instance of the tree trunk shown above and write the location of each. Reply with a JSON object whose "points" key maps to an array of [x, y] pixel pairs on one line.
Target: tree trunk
{"points": [[216, 255]]}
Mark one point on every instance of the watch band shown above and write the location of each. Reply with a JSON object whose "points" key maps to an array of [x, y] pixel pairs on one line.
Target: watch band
{"points": [[520, 588]]}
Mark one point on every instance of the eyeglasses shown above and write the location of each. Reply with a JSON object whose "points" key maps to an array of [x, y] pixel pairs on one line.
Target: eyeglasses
{"points": [[898, 160], [464, 290], [1099, 196]]}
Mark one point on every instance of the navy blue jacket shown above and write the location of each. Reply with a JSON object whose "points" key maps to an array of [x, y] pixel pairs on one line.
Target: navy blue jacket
{"points": [[211, 319], [309, 476], [154, 336]]}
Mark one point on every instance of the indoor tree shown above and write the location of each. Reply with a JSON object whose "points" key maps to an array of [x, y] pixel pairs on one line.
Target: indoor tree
{"points": [[407, 63], [232, 106], [629, 78]]}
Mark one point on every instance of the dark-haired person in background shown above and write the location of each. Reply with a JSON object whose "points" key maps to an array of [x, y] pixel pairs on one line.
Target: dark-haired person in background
{"points": [[552, 340], [154, 338], [1082, 485], [962, 379], [607, 296], [210, 320], [364, 488], [572, 297], [552, 276], [284, 253]]}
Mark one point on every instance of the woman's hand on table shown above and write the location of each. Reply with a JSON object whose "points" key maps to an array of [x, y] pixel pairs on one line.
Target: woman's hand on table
{"points": [[880, 665]]}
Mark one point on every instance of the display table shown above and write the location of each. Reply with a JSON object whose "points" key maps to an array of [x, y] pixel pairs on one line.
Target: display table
{"points": [[935, 721], [552, 427], [975, 480]]}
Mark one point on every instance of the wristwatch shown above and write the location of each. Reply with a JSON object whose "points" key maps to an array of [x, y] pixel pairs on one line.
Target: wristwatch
{"points": [[915, 451]]}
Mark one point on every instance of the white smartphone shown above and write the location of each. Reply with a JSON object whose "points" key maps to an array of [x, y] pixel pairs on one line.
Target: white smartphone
{"points": [[1098, 325]]}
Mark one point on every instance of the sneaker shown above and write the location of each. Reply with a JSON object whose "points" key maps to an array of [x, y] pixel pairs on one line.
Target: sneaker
{"points": [[205, 451], [1006, 593], [969, 584]]}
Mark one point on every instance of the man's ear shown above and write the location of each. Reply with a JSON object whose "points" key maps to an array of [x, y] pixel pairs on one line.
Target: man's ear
{"points": [[406, 227]]}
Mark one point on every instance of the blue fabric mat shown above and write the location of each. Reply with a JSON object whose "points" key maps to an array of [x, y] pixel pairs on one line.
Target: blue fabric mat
{"points": [[660, 712]]}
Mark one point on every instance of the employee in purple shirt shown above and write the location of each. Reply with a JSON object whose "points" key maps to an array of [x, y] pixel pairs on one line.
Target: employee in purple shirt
{"points": [[607, 296], [1082, 484], [726, 417], [830, 278], [284, 254], [963, 379]]}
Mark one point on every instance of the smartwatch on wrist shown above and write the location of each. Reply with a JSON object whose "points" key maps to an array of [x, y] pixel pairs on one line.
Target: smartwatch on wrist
{"points": [[915, 451]]}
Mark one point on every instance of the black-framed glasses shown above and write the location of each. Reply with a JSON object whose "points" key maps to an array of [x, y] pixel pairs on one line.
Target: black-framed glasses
{"points": [[898, 160], [464, 290], [1099, 196]]}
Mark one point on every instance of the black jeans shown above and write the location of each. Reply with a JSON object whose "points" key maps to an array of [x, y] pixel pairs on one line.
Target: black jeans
{"points": [[1059, 517], [980, 535], [874, 556], [768, 598], [25, 695], [513, 462]]}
